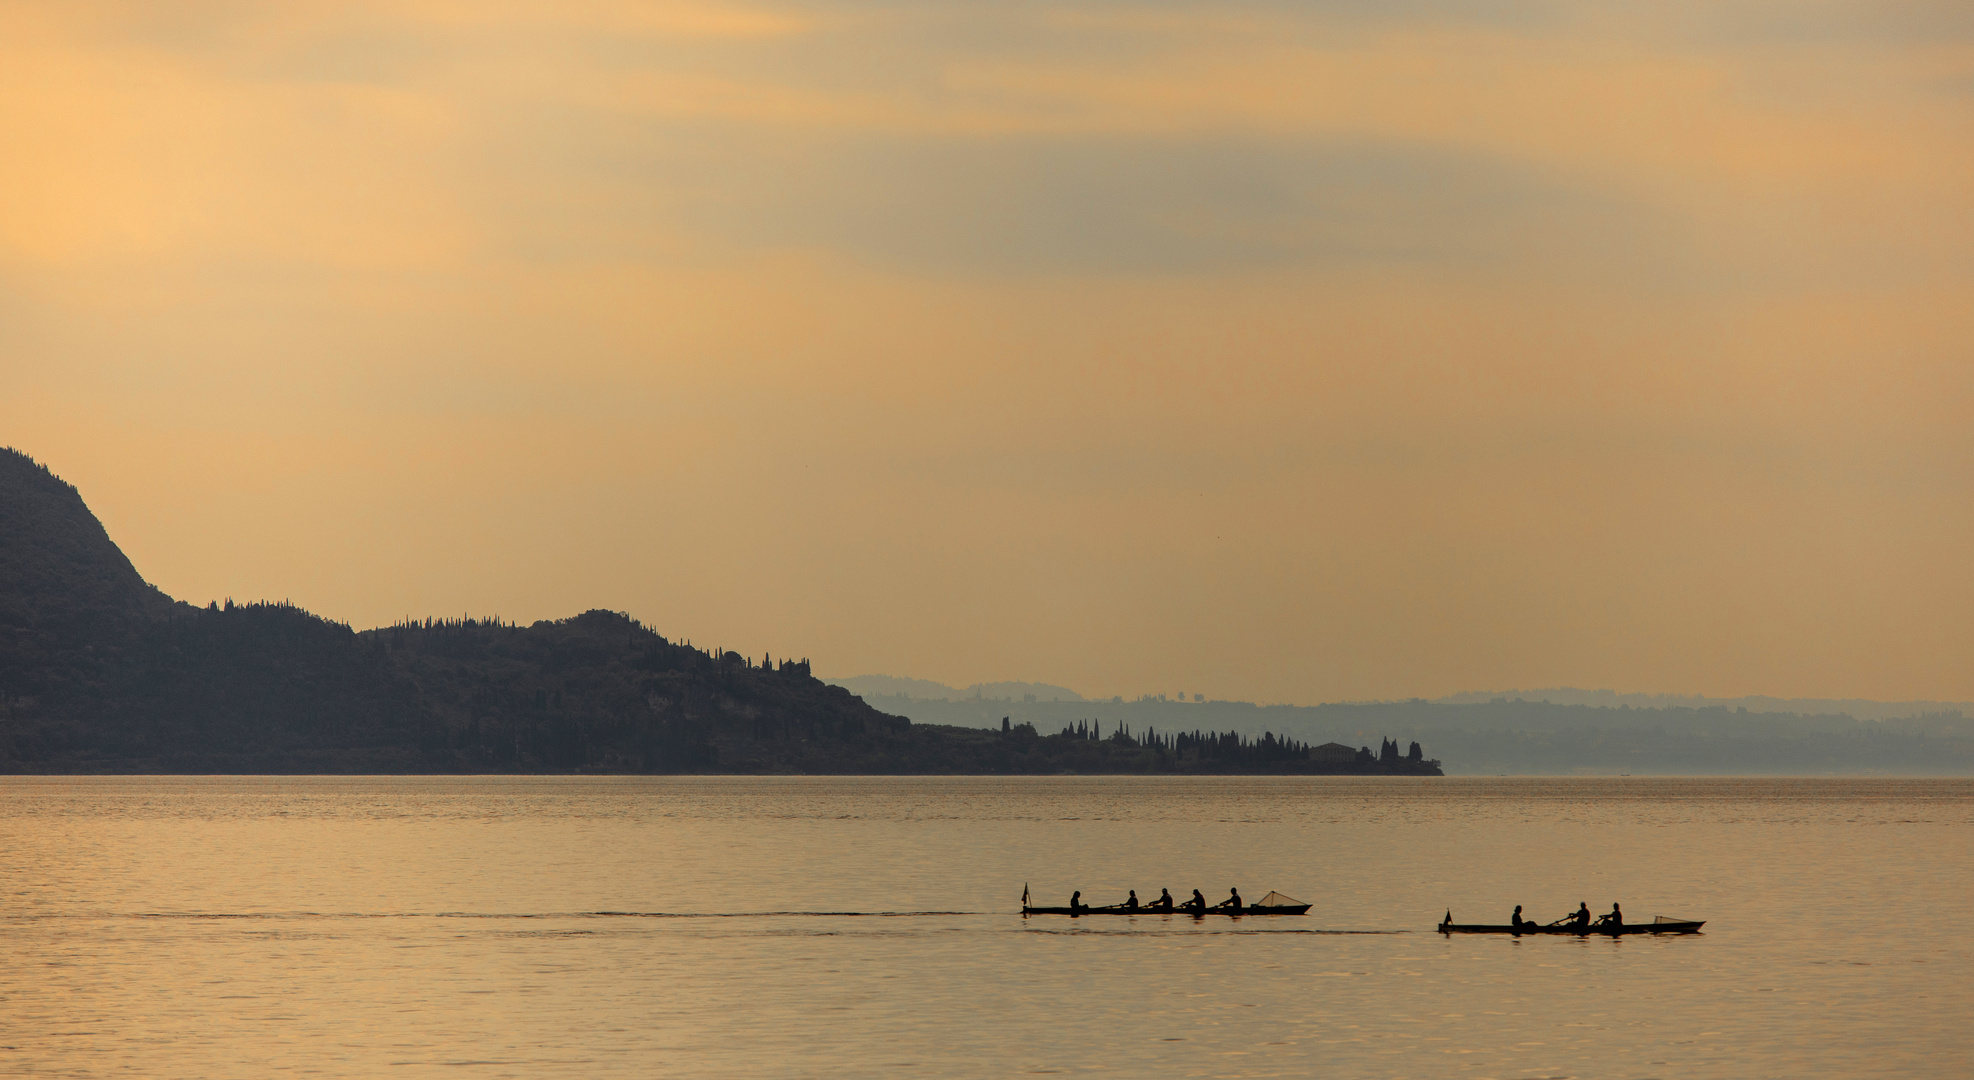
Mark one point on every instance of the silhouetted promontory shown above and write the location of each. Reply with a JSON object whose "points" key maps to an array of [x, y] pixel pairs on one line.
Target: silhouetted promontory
{"points": [[102, 673]]}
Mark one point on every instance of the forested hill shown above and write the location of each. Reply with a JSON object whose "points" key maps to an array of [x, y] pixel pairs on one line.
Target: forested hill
{"points": [[100, 672], [1533, 737]]}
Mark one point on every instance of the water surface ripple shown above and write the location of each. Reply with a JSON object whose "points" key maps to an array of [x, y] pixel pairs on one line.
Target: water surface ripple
{"points": [[833, 926]]}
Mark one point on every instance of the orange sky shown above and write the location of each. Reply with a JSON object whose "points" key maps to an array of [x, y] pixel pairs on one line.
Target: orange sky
{"points": [[1291, 352]]}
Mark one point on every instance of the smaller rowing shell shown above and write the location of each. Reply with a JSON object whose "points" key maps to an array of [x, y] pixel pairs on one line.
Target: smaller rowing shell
{"points": [[1660, 925]]}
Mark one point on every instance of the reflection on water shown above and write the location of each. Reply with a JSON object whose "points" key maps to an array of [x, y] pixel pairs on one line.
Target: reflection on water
{"points": [[864, 926]]}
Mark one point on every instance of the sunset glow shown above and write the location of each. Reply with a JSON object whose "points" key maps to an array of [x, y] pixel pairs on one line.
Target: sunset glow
{"points": [[1279, 352]]}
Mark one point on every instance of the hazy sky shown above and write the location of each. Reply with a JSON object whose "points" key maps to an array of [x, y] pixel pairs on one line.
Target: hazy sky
{"points": [[1284, 351]]}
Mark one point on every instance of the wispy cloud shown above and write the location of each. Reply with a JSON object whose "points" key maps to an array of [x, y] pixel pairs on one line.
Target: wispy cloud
{"points": [[1345, 328]]}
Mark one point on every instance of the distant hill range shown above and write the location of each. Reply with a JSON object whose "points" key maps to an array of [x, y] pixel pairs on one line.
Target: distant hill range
{"points": [[101, 672], [1858, 708], [1524, 732]]}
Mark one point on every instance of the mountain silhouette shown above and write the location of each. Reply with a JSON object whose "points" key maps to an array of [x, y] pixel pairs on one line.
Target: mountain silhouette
{"points": [[102, 672], [59, 570]]}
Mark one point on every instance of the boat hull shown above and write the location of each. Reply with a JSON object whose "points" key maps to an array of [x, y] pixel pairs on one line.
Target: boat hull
{"points": [[1689, 927], [1290, 909]]}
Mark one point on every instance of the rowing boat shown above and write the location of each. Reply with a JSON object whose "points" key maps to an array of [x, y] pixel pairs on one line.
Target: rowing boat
{"points": [[1659, 925], [1272, 904], [1252, 909]]}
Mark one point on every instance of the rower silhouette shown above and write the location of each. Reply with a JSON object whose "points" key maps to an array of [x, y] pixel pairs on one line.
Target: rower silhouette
{"points": [[1132, 903], [1614, 921], [1232, 903], [1164, 901], [1197, 904], [1515, 920], [1581, 919], [1076, 903]]}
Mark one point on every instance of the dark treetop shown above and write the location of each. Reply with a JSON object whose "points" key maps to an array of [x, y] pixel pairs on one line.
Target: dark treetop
{"points": [[101, 672]]}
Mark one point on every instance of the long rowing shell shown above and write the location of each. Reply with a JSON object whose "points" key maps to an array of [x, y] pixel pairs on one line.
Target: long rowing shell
{"points": [[1253, 909]]}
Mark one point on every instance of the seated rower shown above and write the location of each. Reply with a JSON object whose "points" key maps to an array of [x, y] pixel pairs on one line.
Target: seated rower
{"points": [[1164, 901], [1613, 921], [1515, 920], [1232, 903], [1580, 919], [1132, 903], [1197, 903], [1076, 905]]}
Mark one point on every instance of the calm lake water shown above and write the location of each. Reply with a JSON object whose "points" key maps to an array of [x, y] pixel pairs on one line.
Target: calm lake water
{"points": [[549, 927]]}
